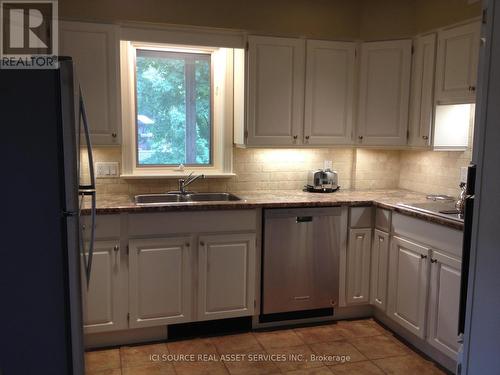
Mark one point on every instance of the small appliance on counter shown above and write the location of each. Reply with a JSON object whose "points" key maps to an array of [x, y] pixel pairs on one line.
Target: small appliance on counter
{"points": [[322, 181]]}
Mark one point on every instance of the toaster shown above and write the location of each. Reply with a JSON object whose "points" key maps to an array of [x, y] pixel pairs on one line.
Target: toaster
{"points": [[322, 181]]}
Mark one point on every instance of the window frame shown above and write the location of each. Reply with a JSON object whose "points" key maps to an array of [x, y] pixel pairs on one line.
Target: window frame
{"points": [[212, 86], [221, 113]]}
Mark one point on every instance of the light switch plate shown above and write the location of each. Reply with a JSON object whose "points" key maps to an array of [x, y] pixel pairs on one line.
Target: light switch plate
{"points": [[107, 169], [463, 174], [327, 164]]}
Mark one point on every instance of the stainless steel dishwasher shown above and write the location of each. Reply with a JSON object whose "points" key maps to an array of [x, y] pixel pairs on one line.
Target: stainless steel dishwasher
{"points": [[301, 260]]}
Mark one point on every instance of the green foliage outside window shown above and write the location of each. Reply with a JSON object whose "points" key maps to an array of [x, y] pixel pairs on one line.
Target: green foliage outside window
{"points": [[165, 81]]}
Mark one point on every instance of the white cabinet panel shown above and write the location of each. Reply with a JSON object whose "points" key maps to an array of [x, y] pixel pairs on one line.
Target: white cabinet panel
{"points": [[226, 276], [457, 63], [444, 303], [384, 93], [94, 49], [330, 70], [379, 267], [408, 282], [101, 301], [358, 266], [422, 95], [275, 91], [160, 273]]}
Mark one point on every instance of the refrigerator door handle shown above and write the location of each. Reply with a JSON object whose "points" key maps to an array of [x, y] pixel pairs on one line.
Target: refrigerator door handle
{"points": [[83, 119]]}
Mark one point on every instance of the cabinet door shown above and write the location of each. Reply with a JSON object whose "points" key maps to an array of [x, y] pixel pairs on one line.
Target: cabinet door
{"points": [[226, 276], [160, 273], [358, 266], [380, 264], [384, 93], [457, 63], [94, 49], [408, 282], [275, 91], [101, 301], [422, 95], [444, 303], [330, 68]]}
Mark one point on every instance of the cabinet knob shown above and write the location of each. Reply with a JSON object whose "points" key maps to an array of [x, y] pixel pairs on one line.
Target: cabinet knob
{"points": [[360, 137], [295, 137], [114, 135], [473, 88], [434, 260], [116, 248], [426, 137], [202, 243], [188, 244], [423, 256], [307, 137]]}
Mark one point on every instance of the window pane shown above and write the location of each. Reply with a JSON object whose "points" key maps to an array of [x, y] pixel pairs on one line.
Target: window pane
{"points": [[173, 108]]}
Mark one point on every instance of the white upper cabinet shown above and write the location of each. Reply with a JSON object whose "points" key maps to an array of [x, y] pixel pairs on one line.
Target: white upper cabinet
{"points": [[384, 93], [408, 283], [444, 303], [422, 93], [94, 49], [275, 91], [457, 63], [330, 75]]}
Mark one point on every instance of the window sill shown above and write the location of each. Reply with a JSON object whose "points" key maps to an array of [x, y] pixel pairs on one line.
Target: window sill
{"points": [[176, 174]]}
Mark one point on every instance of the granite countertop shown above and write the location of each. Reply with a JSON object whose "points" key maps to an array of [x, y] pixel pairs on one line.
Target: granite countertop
{"points": [[389, 199]]}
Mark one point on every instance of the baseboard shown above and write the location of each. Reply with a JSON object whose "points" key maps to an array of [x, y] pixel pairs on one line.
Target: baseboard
{"points": [[126, 337]]}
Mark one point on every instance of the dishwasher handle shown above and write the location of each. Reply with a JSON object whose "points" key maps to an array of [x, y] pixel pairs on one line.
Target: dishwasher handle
{"points": [[303, 219]]}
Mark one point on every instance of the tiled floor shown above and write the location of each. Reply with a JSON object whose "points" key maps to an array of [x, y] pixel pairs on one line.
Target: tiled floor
{"points": [[360, 347]]}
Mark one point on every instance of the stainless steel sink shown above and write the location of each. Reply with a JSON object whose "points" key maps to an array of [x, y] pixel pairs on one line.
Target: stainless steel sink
{"points": [[152, 199], [213, 197], [160, 199]]}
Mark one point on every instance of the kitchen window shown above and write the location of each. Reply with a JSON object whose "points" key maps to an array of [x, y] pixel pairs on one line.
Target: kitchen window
{"points": [[177, 109]]}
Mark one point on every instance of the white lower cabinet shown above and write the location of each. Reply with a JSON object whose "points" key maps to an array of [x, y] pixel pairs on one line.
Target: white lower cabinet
{"points": [[160, 277], [408, 284], [358, 266], [226, 276], [102, 300], [444, 303], [379, 267]]}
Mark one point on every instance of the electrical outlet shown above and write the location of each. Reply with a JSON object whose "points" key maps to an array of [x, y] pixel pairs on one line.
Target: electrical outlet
{"points": [[107, 169], [327, 164], [463, 174]]}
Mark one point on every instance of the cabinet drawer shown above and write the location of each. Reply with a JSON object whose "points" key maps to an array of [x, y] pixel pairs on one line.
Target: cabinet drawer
{"points": [[107, 226], [433, 235], [383, 219], [361, 217]]}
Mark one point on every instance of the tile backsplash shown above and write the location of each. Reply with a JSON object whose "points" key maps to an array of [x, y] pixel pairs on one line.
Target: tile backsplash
{"points": [[286, 169]]}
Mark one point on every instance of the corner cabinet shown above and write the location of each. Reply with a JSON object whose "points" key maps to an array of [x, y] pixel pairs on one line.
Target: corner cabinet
{"points": [[95, 52], [275, 91], [102, 309], [408, 284], [226, 276], [384, 93], [457, 64], [329, 100], [160, 274], [422, 94]]}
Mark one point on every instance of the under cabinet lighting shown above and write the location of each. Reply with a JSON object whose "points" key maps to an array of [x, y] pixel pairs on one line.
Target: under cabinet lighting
{"points": [[452, 126]]}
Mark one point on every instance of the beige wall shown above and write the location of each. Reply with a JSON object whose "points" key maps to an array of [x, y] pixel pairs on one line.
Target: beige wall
{"points": [[387, 19], [431, 14], [323, 19]]}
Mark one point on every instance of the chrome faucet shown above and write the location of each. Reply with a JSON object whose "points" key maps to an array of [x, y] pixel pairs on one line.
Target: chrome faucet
{"points": [[183, 183]]}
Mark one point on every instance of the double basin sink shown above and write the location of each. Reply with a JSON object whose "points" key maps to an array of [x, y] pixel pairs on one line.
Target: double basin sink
{"points": [[160, 199]]}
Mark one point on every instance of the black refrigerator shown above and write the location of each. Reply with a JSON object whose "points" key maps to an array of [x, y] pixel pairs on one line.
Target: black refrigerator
{"points": [[41, 256]]}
